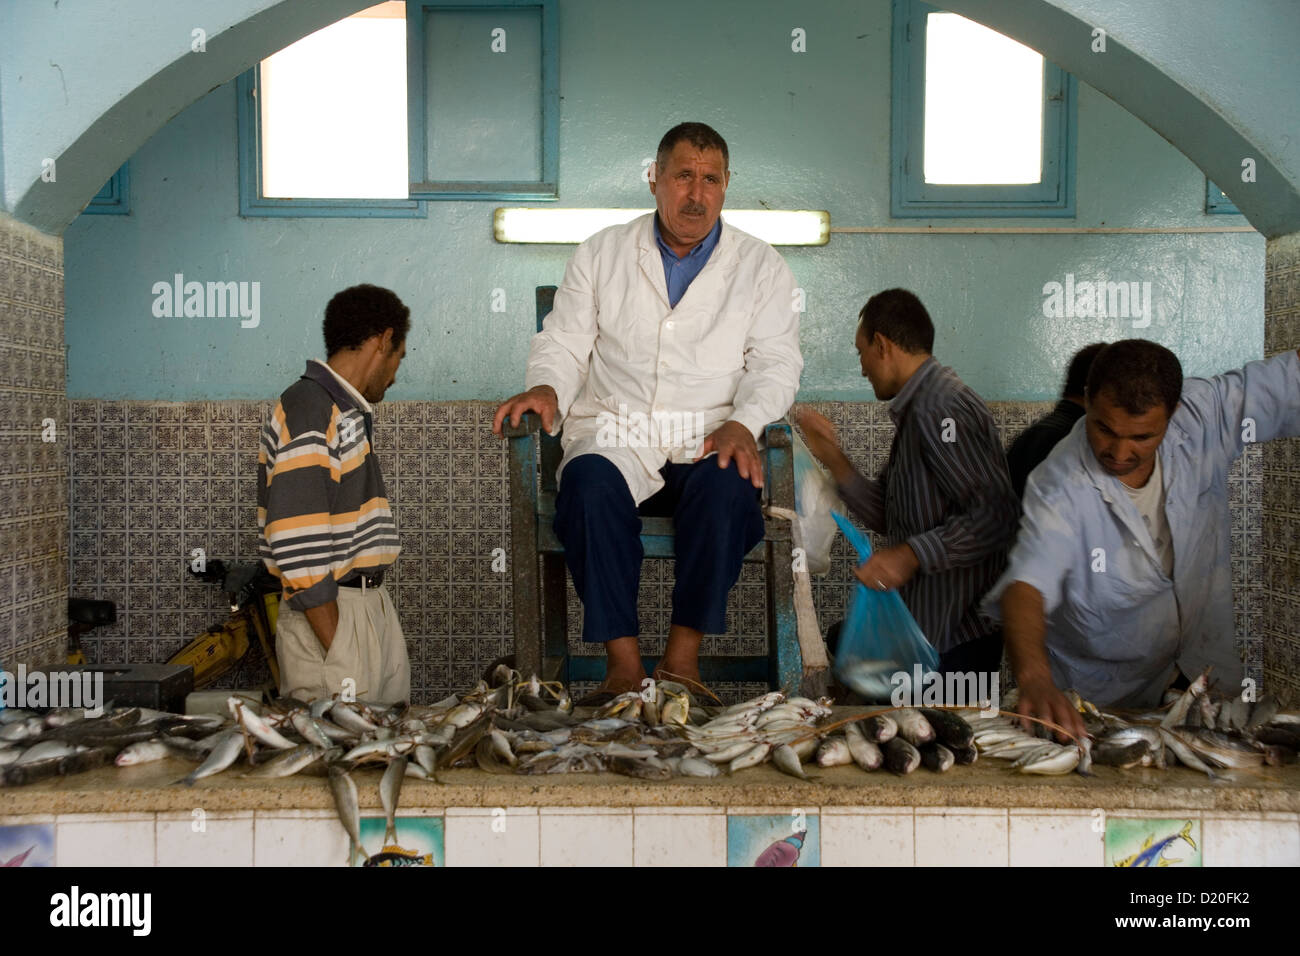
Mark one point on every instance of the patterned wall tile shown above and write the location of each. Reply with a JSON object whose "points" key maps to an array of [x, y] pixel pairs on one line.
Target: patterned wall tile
{"points": [[34, 462]]}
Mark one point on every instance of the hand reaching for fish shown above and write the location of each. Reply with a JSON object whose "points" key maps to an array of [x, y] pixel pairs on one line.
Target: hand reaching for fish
{"points": [[1041, 699]]}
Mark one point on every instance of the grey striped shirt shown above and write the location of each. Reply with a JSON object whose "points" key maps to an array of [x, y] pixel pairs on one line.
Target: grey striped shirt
{"points": [[945, 491]]}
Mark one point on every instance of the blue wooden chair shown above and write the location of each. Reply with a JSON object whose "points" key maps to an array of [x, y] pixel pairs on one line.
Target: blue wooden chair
{"points": [[538, 568]]}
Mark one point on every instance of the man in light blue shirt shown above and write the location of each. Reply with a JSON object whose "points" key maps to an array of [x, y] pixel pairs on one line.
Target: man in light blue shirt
{"points": [[1121, 573]]}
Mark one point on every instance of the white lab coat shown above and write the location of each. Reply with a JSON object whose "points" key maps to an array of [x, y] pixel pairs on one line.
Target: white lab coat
{"points": [[619, 357]]}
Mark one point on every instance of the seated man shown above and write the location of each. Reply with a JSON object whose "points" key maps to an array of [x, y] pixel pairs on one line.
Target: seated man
{"points": [[1037, 441], [326, 529], [683, 326], [1121, 575]]}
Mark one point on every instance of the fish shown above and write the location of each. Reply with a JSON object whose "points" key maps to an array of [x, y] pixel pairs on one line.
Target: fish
{"points": [[880, 728], [1184, 752], [949, 728], [310, 730], [390, 789], [965, 756], [697, 767], [935, 756], [751, 757], [912, 727], [865, 753], [647, 769], [45, 750], [1121, 755], [1279, 735], [350, 719], [834, 752], [22, 730], [1066, 759], [1263, 711], [255, 726], [805, 747], [286, 763], [1223, 750], [1152, 852], [147, 751], [900, 756], [345, 801], [13, 715], [18, 860], [224, 753], [787, 761], [1178, 713], [487, 757], [9, 755]]}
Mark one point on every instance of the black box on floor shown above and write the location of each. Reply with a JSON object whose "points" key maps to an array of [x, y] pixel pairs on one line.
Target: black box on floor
{"points": [[159, 686]]}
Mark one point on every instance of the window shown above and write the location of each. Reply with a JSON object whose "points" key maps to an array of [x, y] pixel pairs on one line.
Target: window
{"points": [[981, 125], [322, 123], [484, 95], [115, 198], [1217, 201]]}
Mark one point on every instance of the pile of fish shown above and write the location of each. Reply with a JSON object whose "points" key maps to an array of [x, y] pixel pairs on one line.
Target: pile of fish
{"points": [[1194, 729], [898, 740], [1199, 730]]}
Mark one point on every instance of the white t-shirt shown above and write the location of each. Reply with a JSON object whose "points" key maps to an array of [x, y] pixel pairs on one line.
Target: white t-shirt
{"points": [[1150, 503]]}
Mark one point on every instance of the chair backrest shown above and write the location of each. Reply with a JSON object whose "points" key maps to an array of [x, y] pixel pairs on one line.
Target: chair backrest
{"points": [[551, 450]]}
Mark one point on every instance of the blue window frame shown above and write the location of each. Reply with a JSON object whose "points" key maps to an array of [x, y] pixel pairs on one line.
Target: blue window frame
{"points": [[483, 93], [115, 198], [912, 197], [1217, 202], [253, 203]]}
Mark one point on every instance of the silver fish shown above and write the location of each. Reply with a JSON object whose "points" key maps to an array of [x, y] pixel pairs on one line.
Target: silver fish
{"points": [[834, 752], [345, 800], [900, 756], [309, 730], [1263, 711], [287, 762], [255, 726], [224, 753], [9, 755], [350, 719], [147, 751], [865, 753], [751, 758], [1184, 752], [937, 757], [1178, 713], [912, 726], [390, 788], [696, 767], [787, 761], [47, 749], [1063, 761]]}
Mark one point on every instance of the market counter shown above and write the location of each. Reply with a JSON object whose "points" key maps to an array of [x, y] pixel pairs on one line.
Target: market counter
{"points": [[981, 814]]}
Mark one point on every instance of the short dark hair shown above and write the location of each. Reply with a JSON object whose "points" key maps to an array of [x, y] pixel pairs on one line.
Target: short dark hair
{"points": [[899, 316], [1138, 374], [699, 135], [361, 311], [1076, 379]]}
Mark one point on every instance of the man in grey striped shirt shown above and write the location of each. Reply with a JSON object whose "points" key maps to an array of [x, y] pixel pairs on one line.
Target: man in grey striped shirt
{"points": [[944, 500]]}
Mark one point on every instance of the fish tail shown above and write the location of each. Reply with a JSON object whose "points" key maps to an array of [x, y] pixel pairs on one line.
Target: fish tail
{"points": [[1186, 834]]}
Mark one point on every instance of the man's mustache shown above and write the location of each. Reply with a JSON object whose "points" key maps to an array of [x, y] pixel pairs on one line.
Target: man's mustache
{"points": [[693, 209]]}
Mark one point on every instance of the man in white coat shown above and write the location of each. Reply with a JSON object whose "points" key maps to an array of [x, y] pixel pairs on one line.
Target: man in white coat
{"points": [[673, 338]]}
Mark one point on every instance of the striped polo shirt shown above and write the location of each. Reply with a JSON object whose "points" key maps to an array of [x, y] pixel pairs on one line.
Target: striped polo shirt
{"points": [[945, 491], [321, 508]]}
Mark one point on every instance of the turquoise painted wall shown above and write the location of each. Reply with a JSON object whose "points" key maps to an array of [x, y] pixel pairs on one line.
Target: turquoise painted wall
{"points": [[806, 130]]}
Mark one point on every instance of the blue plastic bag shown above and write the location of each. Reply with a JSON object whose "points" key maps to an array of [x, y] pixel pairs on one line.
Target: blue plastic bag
{"points": [[879, 636]]}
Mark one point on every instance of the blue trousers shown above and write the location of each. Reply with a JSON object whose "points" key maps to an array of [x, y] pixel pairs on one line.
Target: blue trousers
{"points": [[717, 521]]}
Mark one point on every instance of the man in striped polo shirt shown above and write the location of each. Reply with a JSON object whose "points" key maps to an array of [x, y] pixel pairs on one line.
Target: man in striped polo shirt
{"points": [[944, 501], [326, 529]]}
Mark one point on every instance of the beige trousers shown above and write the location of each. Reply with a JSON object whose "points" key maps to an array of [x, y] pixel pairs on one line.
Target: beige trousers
{"points": [[368, 650]]}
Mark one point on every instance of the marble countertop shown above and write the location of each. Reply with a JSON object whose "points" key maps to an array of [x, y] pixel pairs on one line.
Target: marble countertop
{"points": [[152, 788]]}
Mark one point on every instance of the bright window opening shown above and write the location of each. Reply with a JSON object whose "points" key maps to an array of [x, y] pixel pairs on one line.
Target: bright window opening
{"points": [[333, 111], [983, 106]]}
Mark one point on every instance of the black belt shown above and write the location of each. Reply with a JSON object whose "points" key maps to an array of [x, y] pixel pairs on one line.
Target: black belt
{"points": [[370, 580]]}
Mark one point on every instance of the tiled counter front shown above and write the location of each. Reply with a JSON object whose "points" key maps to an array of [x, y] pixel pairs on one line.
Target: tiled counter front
{"points": [[660, 836], [978, 815], [151, 481]]}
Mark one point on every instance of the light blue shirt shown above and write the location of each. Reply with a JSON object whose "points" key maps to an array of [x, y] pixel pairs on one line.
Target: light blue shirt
{"points": [[1117, 626], [680, 271]]}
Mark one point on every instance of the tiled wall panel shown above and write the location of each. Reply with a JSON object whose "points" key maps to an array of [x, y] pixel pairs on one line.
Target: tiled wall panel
{"points": [[1280, 536], [33, 450]]}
